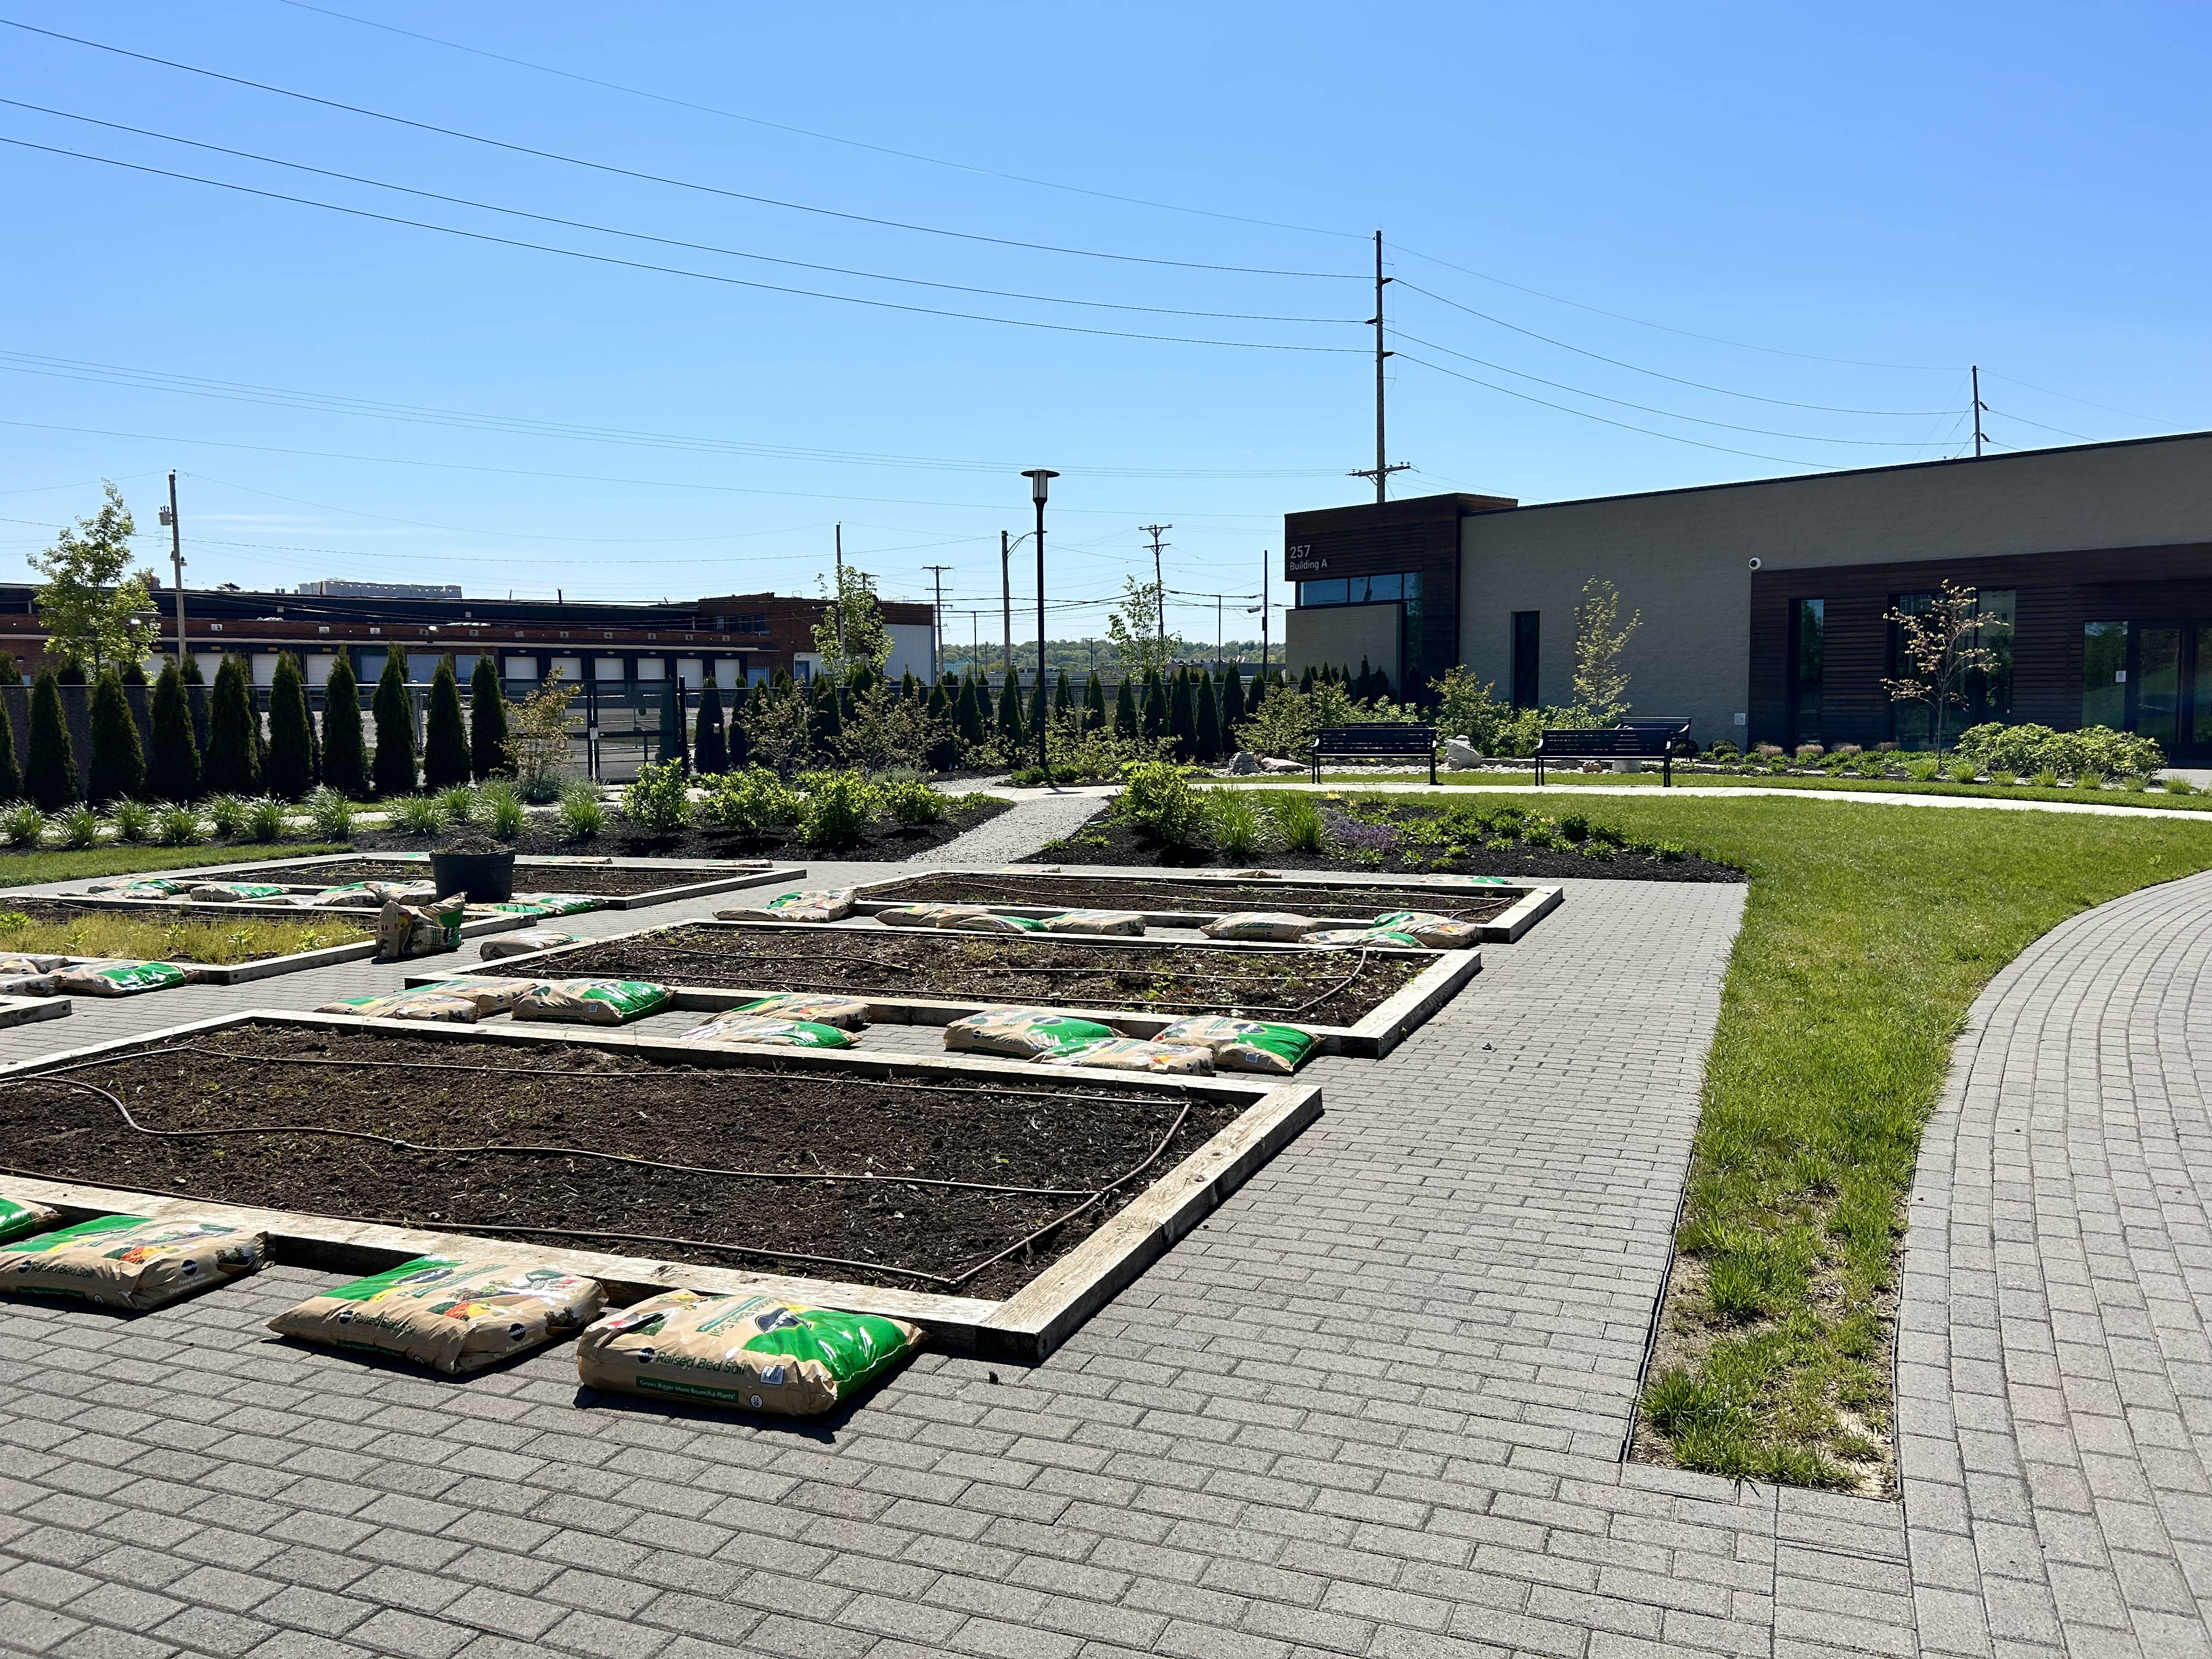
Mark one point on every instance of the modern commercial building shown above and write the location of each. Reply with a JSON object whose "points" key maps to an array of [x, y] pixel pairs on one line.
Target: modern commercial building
{"points": [[1767, 604]]}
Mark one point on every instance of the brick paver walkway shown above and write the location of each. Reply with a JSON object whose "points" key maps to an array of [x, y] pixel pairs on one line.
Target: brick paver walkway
{"points": [[2055, 1368], [1374, 1406]]}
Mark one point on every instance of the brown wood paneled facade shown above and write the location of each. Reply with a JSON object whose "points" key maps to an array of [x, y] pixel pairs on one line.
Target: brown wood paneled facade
{"points": [[2058, 594]]}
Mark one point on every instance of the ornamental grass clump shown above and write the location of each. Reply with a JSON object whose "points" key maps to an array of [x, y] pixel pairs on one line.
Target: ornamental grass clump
{"points": [[1298, 824], [131, 820], [23, 824], [331, 813], [1232, 822], [417, 815], [77, 827], [179, 826], [264, 819], [227, 815], [581, 814], [456, 805], [503, 812]]}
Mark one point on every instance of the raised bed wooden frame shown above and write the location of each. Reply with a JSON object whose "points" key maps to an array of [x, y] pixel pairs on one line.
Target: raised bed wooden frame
{"points": [[1373, 1036], [1027, 1326]]}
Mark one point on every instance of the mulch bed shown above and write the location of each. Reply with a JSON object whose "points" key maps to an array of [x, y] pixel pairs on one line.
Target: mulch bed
{"points": [[602, 881], [1312, 987], [1189, 897], [886, 841], [1101, 839], [867, 1223]]}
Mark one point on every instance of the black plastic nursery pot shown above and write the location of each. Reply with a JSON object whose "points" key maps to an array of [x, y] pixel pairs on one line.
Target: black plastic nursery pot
{"points": [[483, 878]]}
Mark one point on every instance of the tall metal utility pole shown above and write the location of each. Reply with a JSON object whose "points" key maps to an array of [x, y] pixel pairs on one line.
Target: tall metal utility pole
{"points": [[176, 563], [1006, 595], [1979, 407], [937, 623], [1159, 581], [1264, 572], [1383, 468]]}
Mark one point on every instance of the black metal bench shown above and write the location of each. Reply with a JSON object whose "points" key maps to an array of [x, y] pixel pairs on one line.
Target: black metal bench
{"points": [[1375, 740], [1652, 737]]}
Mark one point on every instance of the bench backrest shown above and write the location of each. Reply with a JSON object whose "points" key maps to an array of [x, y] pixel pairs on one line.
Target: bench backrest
{"points": [[1375, 737], [1625, 741]]}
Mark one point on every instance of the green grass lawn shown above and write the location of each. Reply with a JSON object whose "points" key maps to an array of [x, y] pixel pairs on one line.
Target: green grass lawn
{"points": [[2154, 796], [27, 869], [1868, 933]]}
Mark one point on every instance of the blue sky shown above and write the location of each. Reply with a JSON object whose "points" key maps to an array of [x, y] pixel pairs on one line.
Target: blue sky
{"points": [[1741, 224]]}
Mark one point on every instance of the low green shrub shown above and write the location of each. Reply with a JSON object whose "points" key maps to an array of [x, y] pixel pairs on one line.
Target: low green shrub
{"points": [[2046, 778], [836, 807], [2178, 786], [1157, 800], [1965, 771], [912, 802], [658, 802], [750, 801], [1923, 770], [2096, 748]]}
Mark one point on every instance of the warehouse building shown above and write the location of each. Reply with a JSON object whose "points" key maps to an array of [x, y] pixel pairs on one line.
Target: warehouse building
{"points": [[1765, 604]]}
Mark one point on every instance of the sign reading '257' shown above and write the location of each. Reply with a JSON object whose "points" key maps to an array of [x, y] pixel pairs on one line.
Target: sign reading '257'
{"points": [[1300, 557]]}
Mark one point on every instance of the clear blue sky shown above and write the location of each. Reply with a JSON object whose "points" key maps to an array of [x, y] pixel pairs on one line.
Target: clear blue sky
{"points": [[2019, 185]]}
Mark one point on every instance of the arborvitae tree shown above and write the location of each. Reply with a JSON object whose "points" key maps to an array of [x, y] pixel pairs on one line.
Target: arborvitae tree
{"points": [[1013, 730], [741, 708], [291, 770], [828, 722], [1094, 703], [50, 775], [445, 736], [11, 776], [134, 673], [670, 746], [393, 773], [968, 714], [944, 752], [1232, 707], [1063, 694], [9, 673], [487, 720], [1125, 710], [118, 760], [1209, 720], [232, 765], [71, 673], [710, 750], [195, 700], [1152, 717], [1182, 717], [173, 769], [1306, 679], [345, 762], [909, 687]]}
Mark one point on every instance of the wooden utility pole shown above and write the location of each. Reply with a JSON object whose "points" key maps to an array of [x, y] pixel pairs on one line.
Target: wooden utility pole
{"points": [[937, 623], [840, 594], [1159, 582], [177, 563], [1006, 597], [1979, 406]]}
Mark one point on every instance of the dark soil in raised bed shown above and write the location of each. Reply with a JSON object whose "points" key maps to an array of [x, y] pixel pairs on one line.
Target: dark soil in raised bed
{"points": [[592, 880], [1101, 839], [1312, 987], [866, 1226], [1189, 897]]}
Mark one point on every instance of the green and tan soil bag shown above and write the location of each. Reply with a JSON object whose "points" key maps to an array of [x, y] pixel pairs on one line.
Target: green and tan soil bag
{"points": [[1434, 932], [138, 887], [450, 1315], [544, 904], [928, 915], [525, 943], [1140, 1054], [750, 1352], [809, 904], [419, 930], [490, 996], [232, 892], [1128, 923], [128, 1261], [1386, 936], [1244, 1045], [115, 977], [407, 1004], [1024, 1033], [989, 922], [1271, 926], [732, 1030], [848, 1013], [31, 964], [593, 1001], [19, 1217]]}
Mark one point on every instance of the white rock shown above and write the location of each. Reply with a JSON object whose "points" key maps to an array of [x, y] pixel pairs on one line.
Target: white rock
{"points": [[1460, 755], [1241, 765]]}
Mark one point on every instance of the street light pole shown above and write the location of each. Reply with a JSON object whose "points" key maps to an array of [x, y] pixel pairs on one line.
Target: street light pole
{"points": [[1039, 478]]}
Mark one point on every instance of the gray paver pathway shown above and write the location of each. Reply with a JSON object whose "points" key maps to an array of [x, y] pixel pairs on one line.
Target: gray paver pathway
{"points": [[2055, 1366], [1373, 1406]]}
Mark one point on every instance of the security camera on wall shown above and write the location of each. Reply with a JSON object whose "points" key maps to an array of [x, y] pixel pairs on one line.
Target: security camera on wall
{"points": [[1754, 563]]}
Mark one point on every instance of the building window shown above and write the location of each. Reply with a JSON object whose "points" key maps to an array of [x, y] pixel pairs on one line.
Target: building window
{"points": [[1809, 644], [1363, 590], [1987, 693], [1525, 633], [756, 623], [2157, 680]]}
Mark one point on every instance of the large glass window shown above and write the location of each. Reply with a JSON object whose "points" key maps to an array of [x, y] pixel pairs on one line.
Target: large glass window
{"points": [[2157, 683], [1989, 694], [1807, 661], [2104, 674], [2201, 720], [1525, 641], [1363, 590]]}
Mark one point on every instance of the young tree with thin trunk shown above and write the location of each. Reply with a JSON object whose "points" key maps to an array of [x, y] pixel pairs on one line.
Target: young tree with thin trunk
{"points": [[1600, 683], [1941, 647], [394, 769], [172, 768], [94, 606], [345, 761], [50, 775], [487, 720]]}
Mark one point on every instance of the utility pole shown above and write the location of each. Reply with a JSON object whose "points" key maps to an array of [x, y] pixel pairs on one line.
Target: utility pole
{"points": [[841, 594], [1383, 469], [1006, 595], [937, 623], [1264, 572], [176, 563], [1979, 408], [1159, 581]]}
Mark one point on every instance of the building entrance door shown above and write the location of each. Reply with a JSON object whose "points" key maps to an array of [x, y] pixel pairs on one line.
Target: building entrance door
{"points": [[2165, 691]]}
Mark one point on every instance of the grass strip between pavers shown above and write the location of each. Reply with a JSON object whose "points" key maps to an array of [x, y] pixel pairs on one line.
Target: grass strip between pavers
{"points": [[30, 869], [1868, 933]]}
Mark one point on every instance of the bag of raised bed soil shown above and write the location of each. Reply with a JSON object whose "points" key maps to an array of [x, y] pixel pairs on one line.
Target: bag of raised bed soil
{"points": [[1368, 936], [28, 985], [1438, 933], [1140, 1054], [1244, 1045], [1096, 921], [117, 978], [23, 964], [355, 896], [1022, 1033], [407, 1004], [524, 943], [491, 996], [724, 1030], [549, 904], [927, 915], [750, 1352], [1275, 926], [845, 1012], [19, 1217], [232, 892], [138, 887], [450, 1315], [593, 1001], [988, 921], [809, 904], [404, 892], [419, 930], [128, 1261]]}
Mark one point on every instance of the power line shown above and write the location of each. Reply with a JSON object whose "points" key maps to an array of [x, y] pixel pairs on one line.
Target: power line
{"points": [[670, 270], [808, 132], [666, 242], [2133, 415], [661, 179], [2038, 425]]}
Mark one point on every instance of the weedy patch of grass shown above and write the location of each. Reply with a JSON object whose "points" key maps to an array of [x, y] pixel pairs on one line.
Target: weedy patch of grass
{"points": [[29, 869], [1867, 932], [217, 941]]}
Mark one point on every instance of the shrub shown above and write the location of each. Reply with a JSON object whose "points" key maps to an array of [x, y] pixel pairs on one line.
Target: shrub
{"points": [[264, 819], [487, 720], [1157, 800], [331, 813], [1298, 824], [456, 805], [657, 803], [1466, 708], [582, 815], [131, 820], [345, 761], [50, 775], [179, 826], [1360, 837], [1723, 751], [11, 776], [1767, 750], [1810, 752], [119, 759], [417, 815], [172, 768], [233, 762], [226, 813], [2003, 775], [444, 734], [912, 802], [2033, 748], [750, 801], [2091, 777], [710, 749], [394, 770], [290, 772], [838, 807], [23, 824]]}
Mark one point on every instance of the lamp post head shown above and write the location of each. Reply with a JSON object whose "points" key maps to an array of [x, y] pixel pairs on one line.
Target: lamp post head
{"points": [[1039, 477]]}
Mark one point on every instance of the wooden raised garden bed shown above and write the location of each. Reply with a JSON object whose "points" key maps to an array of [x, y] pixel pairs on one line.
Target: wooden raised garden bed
{"points": [[997, 1204]]}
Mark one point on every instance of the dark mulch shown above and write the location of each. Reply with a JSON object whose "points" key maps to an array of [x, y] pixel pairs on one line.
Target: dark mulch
{"points": [[1316, 987], [605, 881], [1168, 896], [888, 843], [875, 1228], [1103, 840]]}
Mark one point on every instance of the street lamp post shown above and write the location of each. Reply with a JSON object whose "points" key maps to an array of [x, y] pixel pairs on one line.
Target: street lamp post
{"points": [[1040, 478]]}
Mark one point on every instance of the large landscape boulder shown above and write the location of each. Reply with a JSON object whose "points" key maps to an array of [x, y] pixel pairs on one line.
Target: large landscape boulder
{"points": [[1460, 754], [1241, 765]]}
